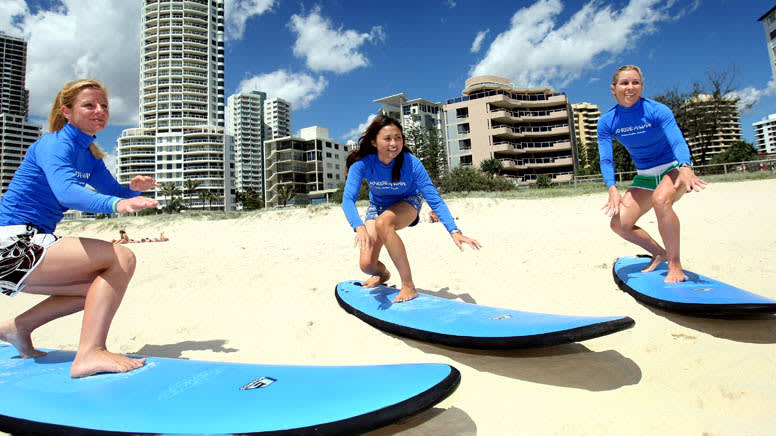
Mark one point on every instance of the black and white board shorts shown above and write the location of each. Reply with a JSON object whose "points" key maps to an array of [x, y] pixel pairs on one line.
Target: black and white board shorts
{"points": [[22, 249]]}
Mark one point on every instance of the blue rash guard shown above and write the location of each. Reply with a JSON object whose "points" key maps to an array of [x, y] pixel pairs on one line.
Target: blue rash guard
{"points": [[648, 131], [51, 180], [383, 192]]}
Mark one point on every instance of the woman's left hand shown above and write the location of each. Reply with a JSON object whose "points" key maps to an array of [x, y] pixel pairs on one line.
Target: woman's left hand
{"points": [[460, 239], [142, 183], [688, 178]]}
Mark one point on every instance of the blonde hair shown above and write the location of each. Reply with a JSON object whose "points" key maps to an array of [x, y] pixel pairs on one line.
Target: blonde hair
{"points": [[625, 68], [66, 97]]}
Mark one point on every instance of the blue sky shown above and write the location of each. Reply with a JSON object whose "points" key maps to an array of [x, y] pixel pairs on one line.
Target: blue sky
{"points": [[333, 58]]}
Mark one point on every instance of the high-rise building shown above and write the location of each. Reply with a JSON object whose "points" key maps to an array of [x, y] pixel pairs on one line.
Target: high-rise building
{"points": [[527, 130], [714, 127], [769, 22], [765, 135], [180, 139], [277, 118], [586, 117], [417, 113], [309, 166], [245, 121], [16, 133]]}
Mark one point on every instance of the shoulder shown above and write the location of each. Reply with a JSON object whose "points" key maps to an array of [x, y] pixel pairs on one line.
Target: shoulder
{"points": [[607, 117], [656, 109]]}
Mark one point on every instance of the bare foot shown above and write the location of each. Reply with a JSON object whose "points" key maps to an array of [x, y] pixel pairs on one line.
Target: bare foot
{"points": [[101, 360], [373, 281], [675, 273], [407, 293], [654, 263], [21, 340]]}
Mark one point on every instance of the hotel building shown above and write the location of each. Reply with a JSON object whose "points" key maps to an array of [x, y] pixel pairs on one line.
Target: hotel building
{"points": [[704, 145], [311, 164], [181, 132], [769, 22], [765, 135], [586, 117], [277, 118], [16, 133], [528, 130], [245, 124], [416, 113]]}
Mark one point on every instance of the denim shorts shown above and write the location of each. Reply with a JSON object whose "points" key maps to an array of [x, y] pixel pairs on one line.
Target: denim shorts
{"points": [[373, 211]]}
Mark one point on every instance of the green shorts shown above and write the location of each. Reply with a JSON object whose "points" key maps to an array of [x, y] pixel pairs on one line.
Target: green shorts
{"points": [[646, 180]]}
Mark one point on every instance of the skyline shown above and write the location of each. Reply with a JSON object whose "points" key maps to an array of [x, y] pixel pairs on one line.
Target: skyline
{"points": [[332, 61]]}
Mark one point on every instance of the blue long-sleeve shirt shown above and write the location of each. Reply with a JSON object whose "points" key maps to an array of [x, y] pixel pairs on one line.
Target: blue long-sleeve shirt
{"points": [[383, 192], [51, 180], [649, 132]]}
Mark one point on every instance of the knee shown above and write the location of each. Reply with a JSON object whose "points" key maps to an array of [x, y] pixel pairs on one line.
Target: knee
{"points": [[662, 201], [125, 259], [384, 226], [615, 225]]}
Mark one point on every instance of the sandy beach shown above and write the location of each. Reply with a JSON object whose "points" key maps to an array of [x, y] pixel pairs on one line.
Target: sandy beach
{"points": [[259, 289]]}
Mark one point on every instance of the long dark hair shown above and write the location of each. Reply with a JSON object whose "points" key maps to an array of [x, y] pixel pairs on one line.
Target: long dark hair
{"points": [[365, 146]]}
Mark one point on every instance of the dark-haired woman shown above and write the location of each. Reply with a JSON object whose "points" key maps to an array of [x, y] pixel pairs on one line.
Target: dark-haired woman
{"points": [[398, 184]]}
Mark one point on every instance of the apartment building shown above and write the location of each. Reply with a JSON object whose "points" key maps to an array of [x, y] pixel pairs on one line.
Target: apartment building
{"points": [[714, 129], [416, 113], [586, 117], [312, 165], [277, 118], [245, 124], [16, 133], [765, 135], [769, 23], [528, 130], [180, 140]]}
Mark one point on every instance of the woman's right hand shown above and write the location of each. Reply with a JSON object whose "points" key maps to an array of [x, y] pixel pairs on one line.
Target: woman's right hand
{"points": [[135, 204], [612, 206], [363, 240]]}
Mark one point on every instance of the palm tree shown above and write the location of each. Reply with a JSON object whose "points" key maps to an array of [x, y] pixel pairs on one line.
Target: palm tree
{"points": [[285, 193], [491, 166], [190, 185], [204, 196], [170, 190]]}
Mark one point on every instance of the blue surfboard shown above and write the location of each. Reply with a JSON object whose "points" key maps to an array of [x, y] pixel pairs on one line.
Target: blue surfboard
{"points": [[698, 295], [178, 396], [460, 324]]}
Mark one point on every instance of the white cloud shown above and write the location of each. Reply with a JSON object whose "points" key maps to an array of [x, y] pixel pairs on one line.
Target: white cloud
{"points": [[110, 161], [537, 50], [325, 48], [10, 14], [239, 11], [98, 39], [298, 89], [353, 136], [750, 96], [477, 44], [450, 3]]}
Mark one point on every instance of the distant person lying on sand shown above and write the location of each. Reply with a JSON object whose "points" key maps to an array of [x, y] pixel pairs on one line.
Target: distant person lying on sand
{"points": [[398, 184], [125, 239], [75, 273], [648, 131]]}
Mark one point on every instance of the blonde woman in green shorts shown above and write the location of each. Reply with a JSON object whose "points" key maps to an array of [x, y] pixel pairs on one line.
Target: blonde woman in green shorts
{"points": [[648, 131]]}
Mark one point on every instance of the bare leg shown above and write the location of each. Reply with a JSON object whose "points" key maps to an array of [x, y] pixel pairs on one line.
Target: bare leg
{"points": [[663, 200], [81, 267], [397, 217], [369, 262], [635, 204], [18, 331]]}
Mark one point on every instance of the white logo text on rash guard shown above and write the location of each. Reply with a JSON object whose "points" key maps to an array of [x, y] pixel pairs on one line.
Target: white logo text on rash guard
{"points": [[632, 130], [81, 175], [393, 186]]}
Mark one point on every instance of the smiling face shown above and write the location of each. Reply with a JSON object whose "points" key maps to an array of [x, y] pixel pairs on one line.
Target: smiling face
{"points": [[89, 111], [628, 87], [389, 143]]}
